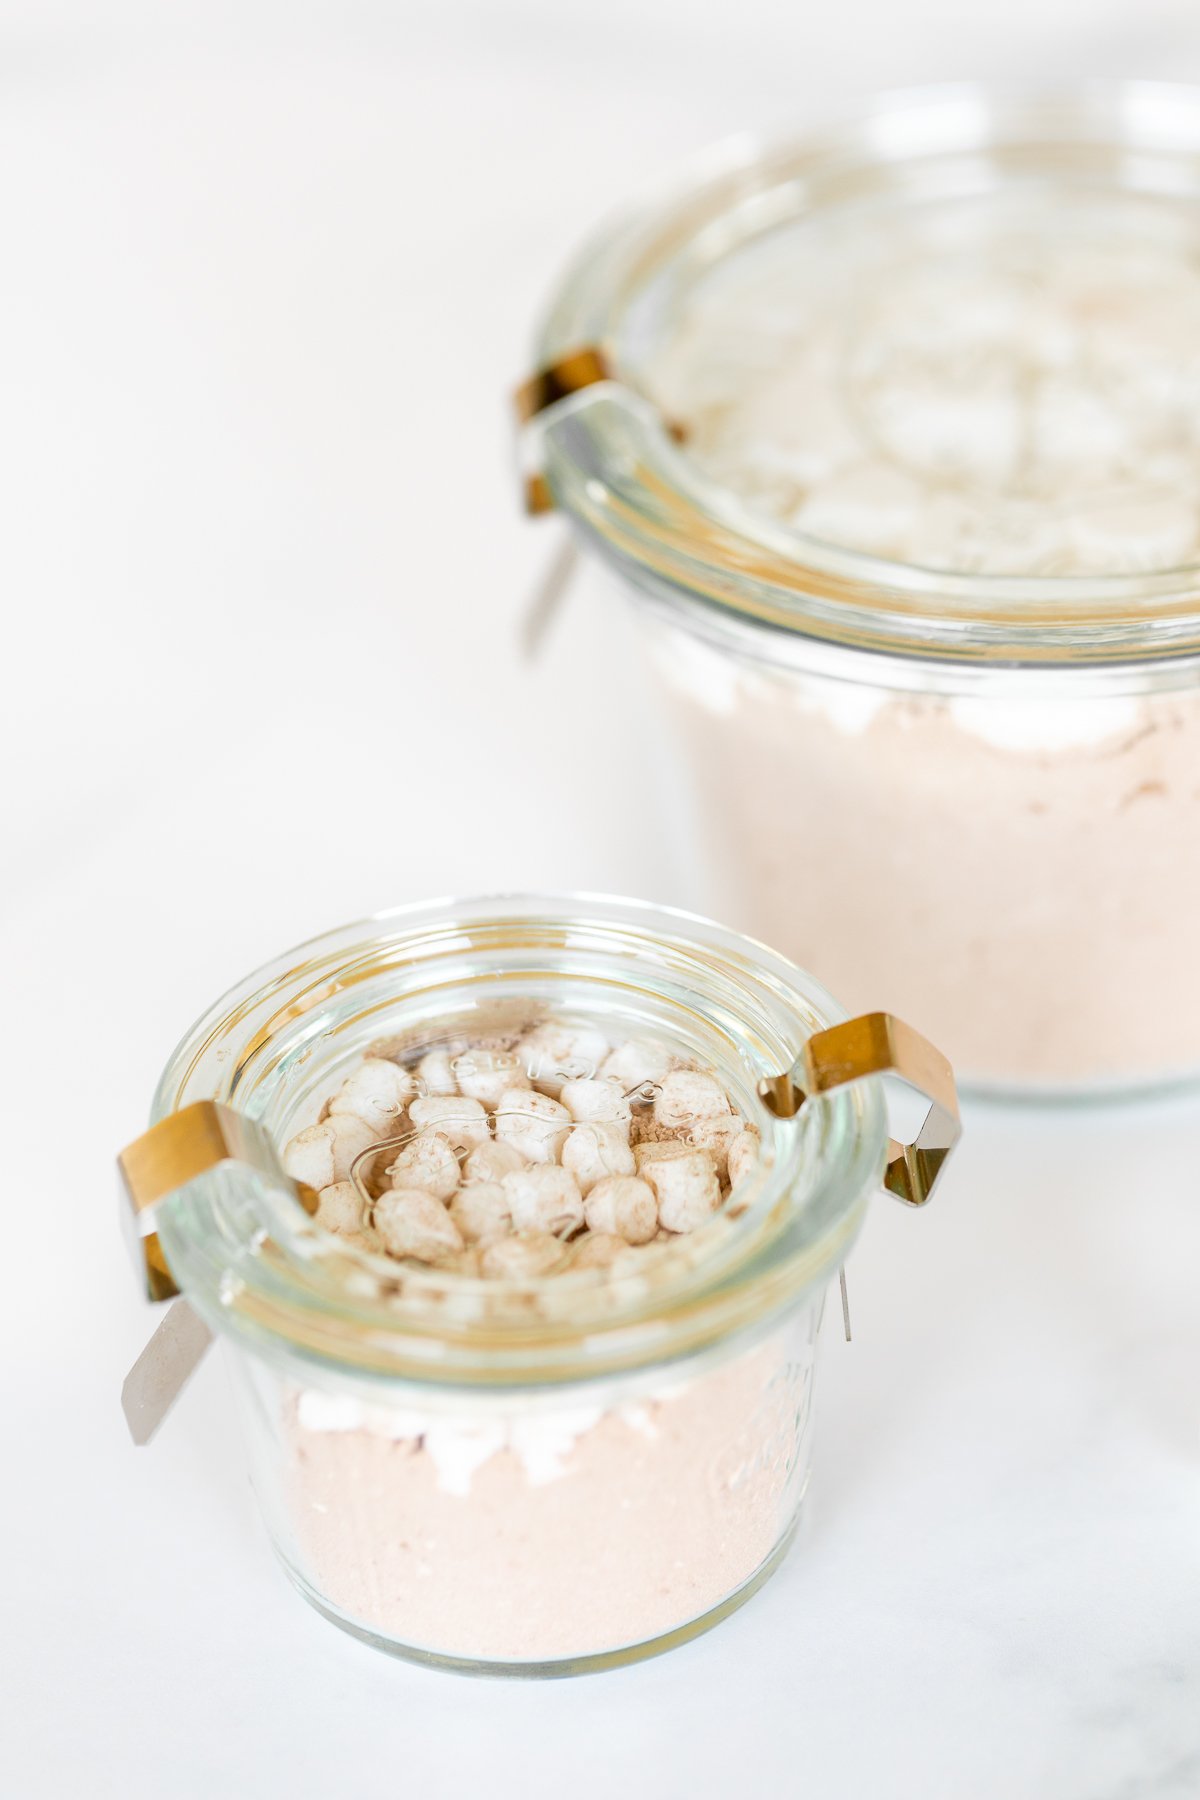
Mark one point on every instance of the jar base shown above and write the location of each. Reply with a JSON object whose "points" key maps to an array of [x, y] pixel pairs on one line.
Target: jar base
{"points": [[554, 1668]]}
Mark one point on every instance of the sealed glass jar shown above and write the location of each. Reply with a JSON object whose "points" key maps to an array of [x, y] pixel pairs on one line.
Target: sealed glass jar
{"points": [[574, 1437], [895, 435]]}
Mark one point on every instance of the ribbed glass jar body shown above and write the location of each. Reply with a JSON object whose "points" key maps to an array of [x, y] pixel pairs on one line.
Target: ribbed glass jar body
{"points": [[537, 1534]]}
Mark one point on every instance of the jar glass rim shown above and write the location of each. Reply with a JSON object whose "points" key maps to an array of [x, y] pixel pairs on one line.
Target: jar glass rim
{"points": [[613, 466], [243, 1252]]}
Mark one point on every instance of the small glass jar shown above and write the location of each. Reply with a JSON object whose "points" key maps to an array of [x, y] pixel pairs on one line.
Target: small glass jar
{"points": [[541, 1476], [893, 434]]}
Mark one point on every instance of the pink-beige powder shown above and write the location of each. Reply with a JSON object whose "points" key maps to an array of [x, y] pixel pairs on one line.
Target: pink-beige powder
{"points": [[650, 1524], [1029, 906]]}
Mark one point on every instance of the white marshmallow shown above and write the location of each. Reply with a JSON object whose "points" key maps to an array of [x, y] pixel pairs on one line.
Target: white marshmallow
{"points": [[308, 1157], [743, 1155], [688, 1095], [715, 1134], [553, 1053], [686, 1188], [323, 1154], [594, 1152], [376, 1092], [598, 1250], [544, 1197], [492, 1161], [589, 1101], [486, 1074], [874, 507], [428, 1162], [532, 1123], [638, 1063], [462, 1122], [340, 1209], [412, 1223], [435, 1073], [816, 440], [624, 1207], [521, 1258], [1075, 431], [481, 1212], [972, 434]]}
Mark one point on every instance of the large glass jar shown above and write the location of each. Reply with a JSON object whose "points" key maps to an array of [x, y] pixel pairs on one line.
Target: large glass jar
{"points": [[895, 436], [546, 1475]]}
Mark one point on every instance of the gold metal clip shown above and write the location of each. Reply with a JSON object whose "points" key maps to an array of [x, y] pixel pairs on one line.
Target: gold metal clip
{"points": [[878, 1044], [567, 375], [178, 1149], [557, 381], [560, 379]]}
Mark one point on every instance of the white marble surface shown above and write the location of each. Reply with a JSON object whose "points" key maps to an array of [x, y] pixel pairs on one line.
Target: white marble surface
{"points": [[267, 273]]}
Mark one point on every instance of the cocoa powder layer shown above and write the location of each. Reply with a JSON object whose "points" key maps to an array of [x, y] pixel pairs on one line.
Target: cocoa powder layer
{"points": [[1030, 909], [649, 1526]]}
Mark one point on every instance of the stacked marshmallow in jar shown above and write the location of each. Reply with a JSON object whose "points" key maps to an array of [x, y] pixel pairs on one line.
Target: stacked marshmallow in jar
{"points": [[524, 1154]]}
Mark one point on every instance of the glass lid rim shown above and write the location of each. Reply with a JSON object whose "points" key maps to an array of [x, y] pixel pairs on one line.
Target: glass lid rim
{"points": [[615, 470]]}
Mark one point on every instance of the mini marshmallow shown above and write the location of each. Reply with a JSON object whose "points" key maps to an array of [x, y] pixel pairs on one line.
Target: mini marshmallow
{"points": [[971, 433], [521, 1258], [492, 1161], [687, 1095], [462, 1122], [321, 1155], [639, 1063], [435, 1073], [624, 1207], [1073, 429], [686, 1188], [598, 1250], [428, 1162], [350, 1138], [484, 1075], [481, 1212], [411, 1222], [532, 1123], [743, 1155], [873, 506], [308, 1157], [590, 1101], [544, 1197], [594, 1152], [376, 1092], [340, 1209], [715, 1134], [553, 1054]]}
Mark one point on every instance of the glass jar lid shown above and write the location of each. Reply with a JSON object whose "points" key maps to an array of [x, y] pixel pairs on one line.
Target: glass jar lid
{"points": [[925, 384], [230, 1234]]}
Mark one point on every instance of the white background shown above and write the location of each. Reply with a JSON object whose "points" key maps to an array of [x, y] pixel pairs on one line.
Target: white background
{"points": [[267, 272]]}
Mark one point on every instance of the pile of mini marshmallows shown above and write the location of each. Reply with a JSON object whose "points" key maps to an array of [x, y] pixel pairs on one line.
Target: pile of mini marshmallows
{"points": [[523, 1156], [1025, 406]]}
